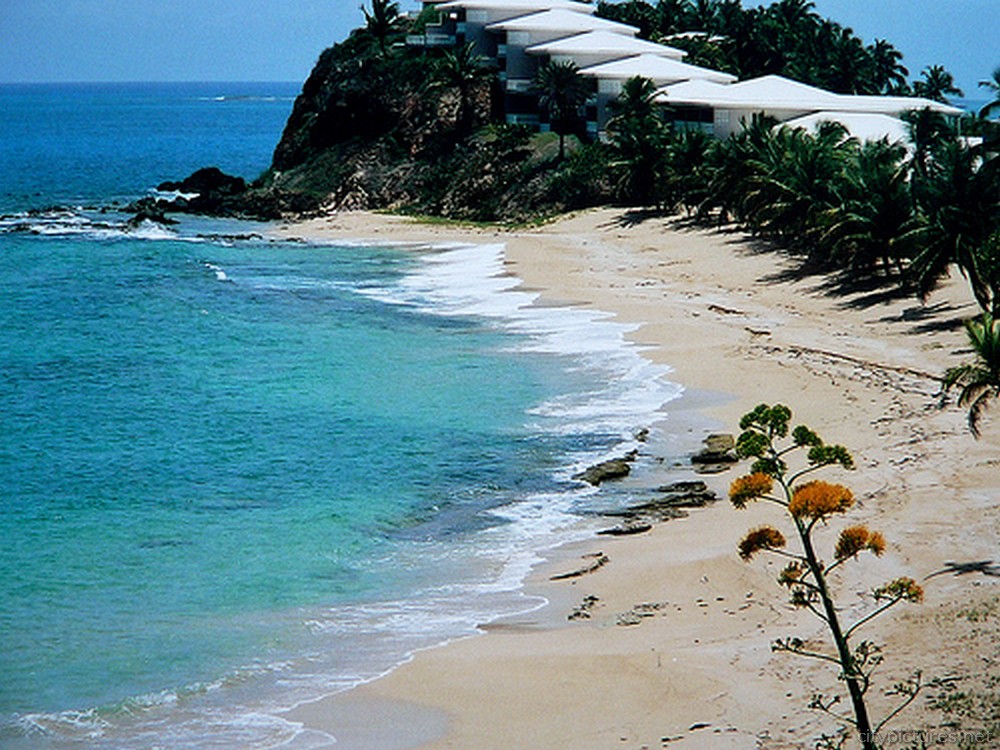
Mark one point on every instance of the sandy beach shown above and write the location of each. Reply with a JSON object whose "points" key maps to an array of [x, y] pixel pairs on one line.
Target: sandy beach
{"points": [[676, 649]]}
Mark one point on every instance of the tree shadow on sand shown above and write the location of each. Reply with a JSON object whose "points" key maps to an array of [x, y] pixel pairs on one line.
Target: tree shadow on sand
{"points": [[633, 217], [857, 290]]}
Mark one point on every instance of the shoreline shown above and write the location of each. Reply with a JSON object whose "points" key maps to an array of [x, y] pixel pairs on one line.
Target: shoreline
{"points": [[737, 326]]}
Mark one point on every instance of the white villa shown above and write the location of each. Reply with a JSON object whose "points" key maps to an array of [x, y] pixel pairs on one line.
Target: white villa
{"points": [[518, 36]]}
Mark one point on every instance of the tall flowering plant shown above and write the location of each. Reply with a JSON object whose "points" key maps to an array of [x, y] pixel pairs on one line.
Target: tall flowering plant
{"points": [[808, 505]]}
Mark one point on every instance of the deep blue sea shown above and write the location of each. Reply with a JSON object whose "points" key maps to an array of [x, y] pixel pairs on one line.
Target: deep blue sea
{"points": [[240, 473]]}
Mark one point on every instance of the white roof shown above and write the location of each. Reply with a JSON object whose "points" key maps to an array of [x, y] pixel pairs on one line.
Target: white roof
{"points": [[696, 91], [518, 5], [863, 126], [776, 93], [562, 20], [895, 105], [604, 42], [772, 92], [660, 70]]}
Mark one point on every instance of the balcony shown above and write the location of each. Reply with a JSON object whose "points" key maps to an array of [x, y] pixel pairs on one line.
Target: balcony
{"points": [[529, 120], [431, 40], [519, 85]]}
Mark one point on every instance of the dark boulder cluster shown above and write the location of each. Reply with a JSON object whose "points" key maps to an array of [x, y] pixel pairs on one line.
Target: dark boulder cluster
{"points": [[671, 501], [212, 192]]}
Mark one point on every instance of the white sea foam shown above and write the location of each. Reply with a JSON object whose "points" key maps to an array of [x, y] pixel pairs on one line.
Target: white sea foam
{"points": [[628, 390], [80, 223], [220, 273], [622, 390]]}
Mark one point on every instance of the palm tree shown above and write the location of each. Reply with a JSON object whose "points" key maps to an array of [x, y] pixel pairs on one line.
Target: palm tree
{"points": [[735, 165], [929, 132], [959, 200], [562, 92], [937, 84], [464, 71], [888, 72], [980, 380], [799, 174], [874, 210], [638, 137], [670, 16], [849, 64], [703, 15], [381, 21], [991, 84]]}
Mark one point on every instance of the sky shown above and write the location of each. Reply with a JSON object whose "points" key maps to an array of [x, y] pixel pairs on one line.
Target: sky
{"points": [[279, 40]]}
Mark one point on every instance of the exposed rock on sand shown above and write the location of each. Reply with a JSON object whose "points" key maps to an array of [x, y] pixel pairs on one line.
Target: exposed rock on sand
{"points": [[718, 454], [615, 468], [676, 497]]}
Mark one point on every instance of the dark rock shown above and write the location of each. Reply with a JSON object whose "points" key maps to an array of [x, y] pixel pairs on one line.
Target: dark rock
{"points": [[720, 443], [583, 611], [207, 180], [616, 468], [695, 485], [148, 209], [717, 455], [676, 499], [626, 529], [707, 457], [597, 561]]}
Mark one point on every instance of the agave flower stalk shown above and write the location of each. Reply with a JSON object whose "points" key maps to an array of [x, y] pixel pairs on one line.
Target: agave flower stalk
{"points": [[808, 506]]}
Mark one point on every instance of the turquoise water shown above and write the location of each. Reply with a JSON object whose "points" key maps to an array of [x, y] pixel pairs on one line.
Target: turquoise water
{"points": [[241, 473]]}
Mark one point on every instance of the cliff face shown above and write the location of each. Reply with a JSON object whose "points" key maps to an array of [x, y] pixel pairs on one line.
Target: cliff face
{"points": [[401, 130], [350, 95]]}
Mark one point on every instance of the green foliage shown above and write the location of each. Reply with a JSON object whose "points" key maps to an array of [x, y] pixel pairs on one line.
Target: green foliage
{"points": [[767, 421], [959, 201], [582, 180], [562, 92], [991, 84], [830, 455], [786, 37], [937, 84], [979, 380], [466, 73], [381, 21], [639, 139]]}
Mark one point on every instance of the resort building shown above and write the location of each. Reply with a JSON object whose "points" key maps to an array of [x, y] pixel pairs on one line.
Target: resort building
{"points": [[661, 70], [722, 109], [518, 36]]}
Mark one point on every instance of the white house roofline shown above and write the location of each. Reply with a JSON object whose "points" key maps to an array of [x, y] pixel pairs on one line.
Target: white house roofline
{"points": [[861, 125], [658, 69], [559, 20], [778, 93], [527, 6], [604, 42]]}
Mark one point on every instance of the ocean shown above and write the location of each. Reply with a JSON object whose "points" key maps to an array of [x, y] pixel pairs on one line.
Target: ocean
{"points": [[239, 473]]}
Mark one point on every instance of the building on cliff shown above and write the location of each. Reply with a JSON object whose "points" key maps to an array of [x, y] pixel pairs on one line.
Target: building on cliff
{"points": [[518, 36]]}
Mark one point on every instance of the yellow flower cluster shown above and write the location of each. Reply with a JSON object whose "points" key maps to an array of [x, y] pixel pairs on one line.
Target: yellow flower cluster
{"points": [[751, 487], [855, 539], [762, 538], [816, 500]]}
